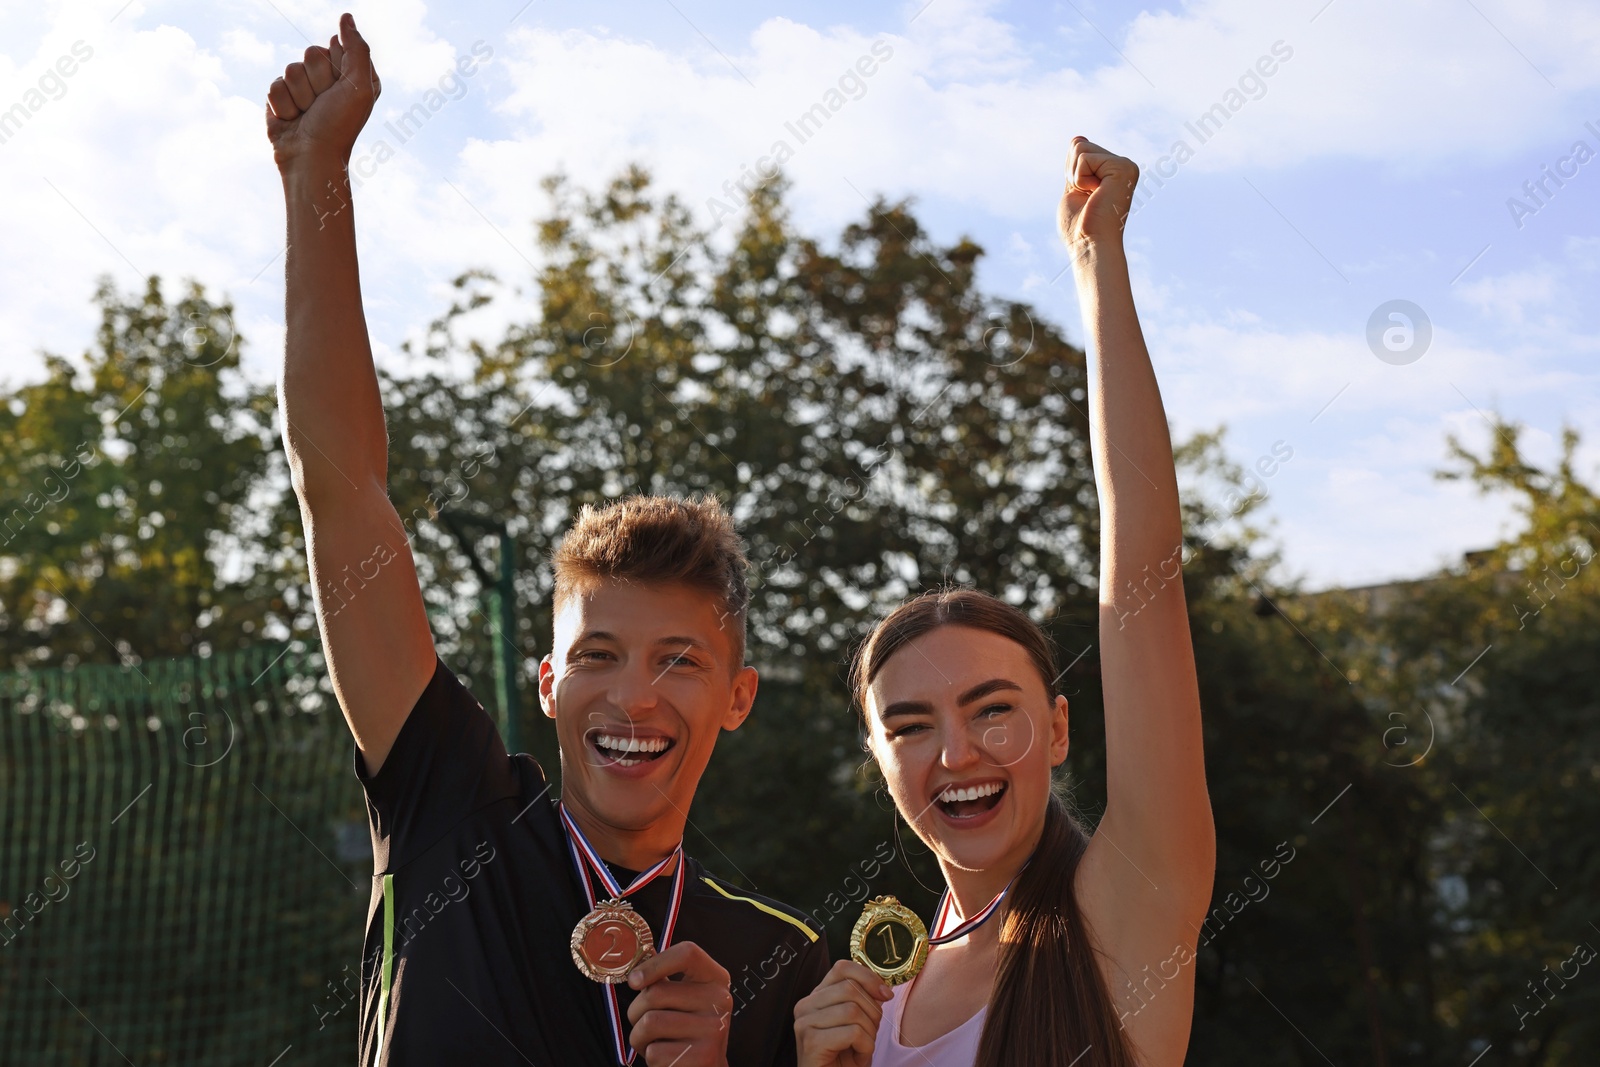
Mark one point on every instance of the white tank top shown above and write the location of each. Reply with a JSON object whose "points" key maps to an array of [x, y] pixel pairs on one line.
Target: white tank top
{"points": [[958, 1048]]}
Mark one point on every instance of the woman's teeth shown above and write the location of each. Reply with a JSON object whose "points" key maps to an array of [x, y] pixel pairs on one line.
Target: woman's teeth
{"points": [[971, 800], [951, 795], [630, 751]]}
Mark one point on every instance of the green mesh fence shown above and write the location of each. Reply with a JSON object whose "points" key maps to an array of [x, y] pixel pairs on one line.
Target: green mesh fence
{"points": [[184, 864]]}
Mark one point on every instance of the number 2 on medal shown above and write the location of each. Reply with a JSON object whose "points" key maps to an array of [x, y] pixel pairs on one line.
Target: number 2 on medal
{"points": [[612, 949], [886, 931]]}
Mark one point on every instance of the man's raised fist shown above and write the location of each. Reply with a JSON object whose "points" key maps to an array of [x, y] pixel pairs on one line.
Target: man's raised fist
{"points": [[321, 103]]}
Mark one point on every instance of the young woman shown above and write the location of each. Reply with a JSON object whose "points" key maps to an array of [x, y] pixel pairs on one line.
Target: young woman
{"points": [[1051, 947]]}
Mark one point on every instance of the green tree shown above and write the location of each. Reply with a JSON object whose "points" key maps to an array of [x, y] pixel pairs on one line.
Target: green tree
{"points": [[1476, 689], [1528, 763], [138, 511]]}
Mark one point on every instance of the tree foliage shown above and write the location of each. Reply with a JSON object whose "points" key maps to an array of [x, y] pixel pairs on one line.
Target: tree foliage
{"points": [[140, 519]]}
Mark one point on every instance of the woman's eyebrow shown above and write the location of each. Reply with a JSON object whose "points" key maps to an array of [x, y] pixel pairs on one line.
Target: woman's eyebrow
{"points": [[983, 689], [922, 707], [906, 707]]}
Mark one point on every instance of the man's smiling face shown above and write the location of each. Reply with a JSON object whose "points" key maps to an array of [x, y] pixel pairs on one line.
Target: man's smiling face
{"points": [[641, 682]]}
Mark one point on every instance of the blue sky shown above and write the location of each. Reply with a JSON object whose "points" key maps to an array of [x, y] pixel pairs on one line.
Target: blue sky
{"points": [[1376, 162]]}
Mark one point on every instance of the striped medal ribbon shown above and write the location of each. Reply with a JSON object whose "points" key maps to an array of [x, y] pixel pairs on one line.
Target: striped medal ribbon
{"points": [[586, 859], [967, 925]]}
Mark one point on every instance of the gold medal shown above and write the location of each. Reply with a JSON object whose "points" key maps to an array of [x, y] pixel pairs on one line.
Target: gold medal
{"points": [[889, 940], [611, 941]]}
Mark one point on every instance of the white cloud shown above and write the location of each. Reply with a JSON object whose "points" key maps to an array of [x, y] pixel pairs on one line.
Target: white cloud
{"points": [[242, 46], [963, 113], [1386, 542], [964, 42], [143, 166], [407, 52], [1405, 85], [1510, 295], [1547, 302]]}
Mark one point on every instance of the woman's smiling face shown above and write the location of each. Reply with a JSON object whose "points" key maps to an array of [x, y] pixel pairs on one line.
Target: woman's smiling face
{"points": [[966, 734]]}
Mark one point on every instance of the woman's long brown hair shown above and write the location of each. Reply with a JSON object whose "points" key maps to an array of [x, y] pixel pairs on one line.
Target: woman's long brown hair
{"points": [[1049, 1005]]}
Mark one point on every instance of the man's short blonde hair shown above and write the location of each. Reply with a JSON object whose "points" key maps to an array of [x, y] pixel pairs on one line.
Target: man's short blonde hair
{"points": [[659, 539]]}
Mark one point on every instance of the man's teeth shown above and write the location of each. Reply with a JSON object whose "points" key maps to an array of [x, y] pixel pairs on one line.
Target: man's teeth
{"points": [[647, 745], [976, 792]]}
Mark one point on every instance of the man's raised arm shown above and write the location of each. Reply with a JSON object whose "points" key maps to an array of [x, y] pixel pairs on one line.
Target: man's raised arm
{"points": [[369, 608]]}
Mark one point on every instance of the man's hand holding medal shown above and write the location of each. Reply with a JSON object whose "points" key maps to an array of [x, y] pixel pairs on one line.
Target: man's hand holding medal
{"points": [[680, 1017]]}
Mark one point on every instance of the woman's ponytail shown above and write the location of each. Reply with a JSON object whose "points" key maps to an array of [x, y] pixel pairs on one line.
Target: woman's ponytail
{"points": [[1049, 1006]]}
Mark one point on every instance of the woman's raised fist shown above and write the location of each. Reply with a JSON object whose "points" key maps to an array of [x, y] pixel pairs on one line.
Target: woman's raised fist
{"points": [[1098, 196]]}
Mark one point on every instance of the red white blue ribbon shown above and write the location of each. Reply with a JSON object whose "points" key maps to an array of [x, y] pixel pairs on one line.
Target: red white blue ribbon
{"points": [[586, 859], [967, 925]]}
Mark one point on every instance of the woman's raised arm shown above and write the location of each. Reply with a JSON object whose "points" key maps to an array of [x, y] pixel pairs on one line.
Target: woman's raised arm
{"points": [[1147, 877]]}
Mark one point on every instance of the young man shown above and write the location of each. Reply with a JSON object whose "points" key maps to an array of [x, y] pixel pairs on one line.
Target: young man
{"points": [[497, 909]]}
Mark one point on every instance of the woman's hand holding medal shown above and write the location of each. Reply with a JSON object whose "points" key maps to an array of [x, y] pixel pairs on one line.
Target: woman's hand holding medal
{"points": [[681, 1017], [837, 1025]]}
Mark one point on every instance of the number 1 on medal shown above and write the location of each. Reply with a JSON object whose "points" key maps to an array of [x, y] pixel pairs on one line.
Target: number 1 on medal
{"points": [[889, 940], [887, 932]]}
